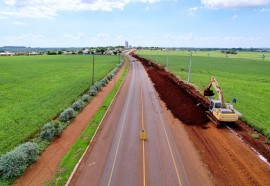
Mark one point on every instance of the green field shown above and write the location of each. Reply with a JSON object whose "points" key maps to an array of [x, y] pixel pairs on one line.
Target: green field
{"points": [[244, 76], [35, 89]]}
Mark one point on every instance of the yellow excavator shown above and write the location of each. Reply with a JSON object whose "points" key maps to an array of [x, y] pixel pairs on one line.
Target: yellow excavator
{"points": [[219, 112]]}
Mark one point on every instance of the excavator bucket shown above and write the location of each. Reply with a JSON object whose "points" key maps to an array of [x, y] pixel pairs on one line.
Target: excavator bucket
{"points": [[208, 92]]}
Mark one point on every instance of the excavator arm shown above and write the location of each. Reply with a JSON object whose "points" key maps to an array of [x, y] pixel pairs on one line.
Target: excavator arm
{"points": [[208, 92]]}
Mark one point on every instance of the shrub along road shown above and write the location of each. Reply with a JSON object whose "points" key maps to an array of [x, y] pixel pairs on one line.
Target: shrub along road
{"points": [[119, 157], [44, 169]]}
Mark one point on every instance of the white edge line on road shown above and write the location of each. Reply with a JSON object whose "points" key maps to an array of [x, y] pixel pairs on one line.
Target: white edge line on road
{"points": [[121, 132], [77, 165]]}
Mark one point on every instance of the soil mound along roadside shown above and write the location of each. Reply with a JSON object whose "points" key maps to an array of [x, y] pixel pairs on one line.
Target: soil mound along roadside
{"points": [[189, 105], [183, 100]]}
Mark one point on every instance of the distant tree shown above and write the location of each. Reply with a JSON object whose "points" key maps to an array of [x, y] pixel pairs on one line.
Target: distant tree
{"points": [[60, 52], [51, 53], [228, 51], [102, 51]]}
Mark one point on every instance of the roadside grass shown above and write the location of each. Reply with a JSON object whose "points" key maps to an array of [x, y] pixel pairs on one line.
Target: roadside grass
{"points": [[244, 76], [35, 89], [70, 160]]}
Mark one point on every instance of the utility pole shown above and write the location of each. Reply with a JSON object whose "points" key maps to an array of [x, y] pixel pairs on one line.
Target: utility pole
{"points": [[93, 69], [167, 58], [156, 56], [119, 57], [190, 62]]}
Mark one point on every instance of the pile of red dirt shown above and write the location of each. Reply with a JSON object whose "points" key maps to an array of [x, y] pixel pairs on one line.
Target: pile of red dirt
{"points": [[184, 101], [230, 160]]}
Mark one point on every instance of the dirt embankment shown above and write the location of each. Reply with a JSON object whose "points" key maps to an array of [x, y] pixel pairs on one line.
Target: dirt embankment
{"points": [[230, 160]]}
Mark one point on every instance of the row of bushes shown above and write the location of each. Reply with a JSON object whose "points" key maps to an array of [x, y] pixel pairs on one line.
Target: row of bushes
{"points": [[15, 162]]}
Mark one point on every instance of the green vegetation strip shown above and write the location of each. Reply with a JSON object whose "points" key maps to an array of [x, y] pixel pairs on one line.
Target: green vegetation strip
{"points": [[244, 75], [70, 160], [35, 89]]}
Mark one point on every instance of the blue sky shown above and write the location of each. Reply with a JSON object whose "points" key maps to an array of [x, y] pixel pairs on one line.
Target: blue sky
{"points": [[163, 23]]}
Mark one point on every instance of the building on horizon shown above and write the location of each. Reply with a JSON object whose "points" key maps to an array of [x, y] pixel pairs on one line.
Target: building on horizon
{"points": [[126, 44]]}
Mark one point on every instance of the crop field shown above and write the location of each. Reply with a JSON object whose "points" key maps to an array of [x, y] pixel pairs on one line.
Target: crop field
{"points": [[35, 89], [245, 76]]}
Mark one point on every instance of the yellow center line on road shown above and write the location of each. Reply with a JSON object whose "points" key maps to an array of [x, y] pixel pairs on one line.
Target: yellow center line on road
{"points": [[143, 145], [144, 174]]}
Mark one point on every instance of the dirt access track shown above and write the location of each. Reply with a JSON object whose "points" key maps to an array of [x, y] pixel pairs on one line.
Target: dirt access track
{"points": [[230, 153]]}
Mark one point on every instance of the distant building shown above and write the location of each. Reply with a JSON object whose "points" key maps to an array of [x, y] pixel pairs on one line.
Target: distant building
{"points": [[85, 51], [109, 52], [126, 44], [7, 53], [33, 53], [67, 53]]}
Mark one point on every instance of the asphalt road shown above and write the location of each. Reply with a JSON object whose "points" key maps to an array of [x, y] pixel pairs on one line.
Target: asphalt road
{"points": [[118, 155]]}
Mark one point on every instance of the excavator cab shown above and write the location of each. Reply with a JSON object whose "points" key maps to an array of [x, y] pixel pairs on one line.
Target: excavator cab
{"points": [[214, 104]]}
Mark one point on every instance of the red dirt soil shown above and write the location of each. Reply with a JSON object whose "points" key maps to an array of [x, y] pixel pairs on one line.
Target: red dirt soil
{"points": [[44, 169], [230, 160]]}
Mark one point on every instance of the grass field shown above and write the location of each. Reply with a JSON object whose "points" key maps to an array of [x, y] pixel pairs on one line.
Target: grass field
{"points": [[244, 76], [35, 89]]}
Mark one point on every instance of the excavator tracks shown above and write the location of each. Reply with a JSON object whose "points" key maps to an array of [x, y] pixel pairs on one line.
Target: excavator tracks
{"points": [[216, 122]]}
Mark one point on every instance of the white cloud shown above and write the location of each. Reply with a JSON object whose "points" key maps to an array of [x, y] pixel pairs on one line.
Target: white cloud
{"points": [[26, 39], [192, 10], [3, 17], [233, 3], [76, 36], [10, 2], [50, 8], [19, 23]]}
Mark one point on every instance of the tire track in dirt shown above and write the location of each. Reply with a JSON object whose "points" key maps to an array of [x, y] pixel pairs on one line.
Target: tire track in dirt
{"points": [[221, 153], [229, 159]]}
